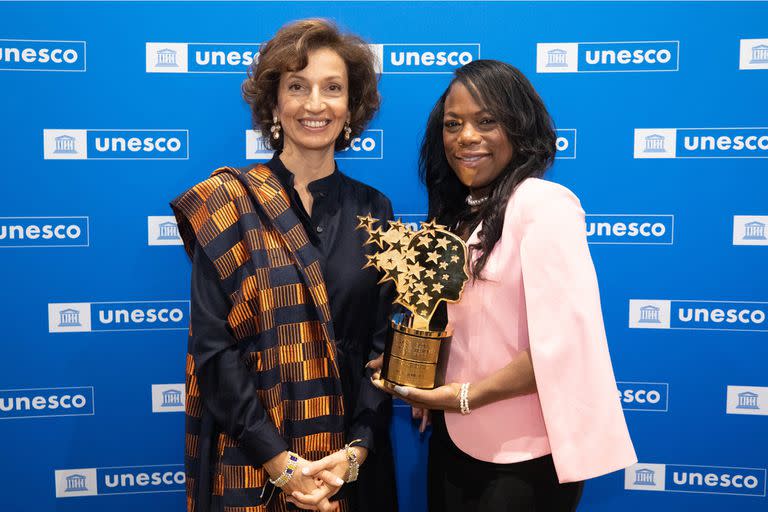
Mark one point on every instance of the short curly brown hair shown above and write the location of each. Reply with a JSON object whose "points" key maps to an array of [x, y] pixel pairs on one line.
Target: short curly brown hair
{"points": [[288, 51]]}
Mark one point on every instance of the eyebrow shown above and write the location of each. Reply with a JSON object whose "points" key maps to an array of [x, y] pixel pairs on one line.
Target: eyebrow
{"points": [[478, 113], [297, 74]]}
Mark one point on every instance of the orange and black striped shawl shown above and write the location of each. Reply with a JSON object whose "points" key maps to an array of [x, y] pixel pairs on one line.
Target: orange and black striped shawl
{"points": [[243, 221]]}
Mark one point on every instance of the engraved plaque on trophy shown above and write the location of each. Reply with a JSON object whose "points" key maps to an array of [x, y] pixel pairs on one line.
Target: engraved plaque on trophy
{"points": [[427, 266]]}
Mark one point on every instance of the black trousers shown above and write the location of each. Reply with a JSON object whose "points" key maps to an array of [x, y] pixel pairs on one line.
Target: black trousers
{"points": [[460, 483]]}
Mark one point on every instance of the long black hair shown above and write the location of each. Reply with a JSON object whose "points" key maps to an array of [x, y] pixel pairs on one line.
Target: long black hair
{"points": [[505, 92]]}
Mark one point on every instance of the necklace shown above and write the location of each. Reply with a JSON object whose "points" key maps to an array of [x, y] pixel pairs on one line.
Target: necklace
{"points": [[475, 202]]}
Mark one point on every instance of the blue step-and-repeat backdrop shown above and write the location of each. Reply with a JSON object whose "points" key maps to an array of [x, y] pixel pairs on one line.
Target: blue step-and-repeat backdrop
{"points": [[109, 110]]}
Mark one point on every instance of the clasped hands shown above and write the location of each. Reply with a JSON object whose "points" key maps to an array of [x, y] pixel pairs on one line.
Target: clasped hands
{"points": [[314, 483]]}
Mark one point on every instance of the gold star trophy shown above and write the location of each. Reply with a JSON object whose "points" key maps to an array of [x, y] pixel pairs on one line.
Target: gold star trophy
{"points": [[427, 266]]}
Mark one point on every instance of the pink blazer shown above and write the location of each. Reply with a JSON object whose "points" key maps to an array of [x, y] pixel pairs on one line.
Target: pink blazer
{"points": [[541, 292]]}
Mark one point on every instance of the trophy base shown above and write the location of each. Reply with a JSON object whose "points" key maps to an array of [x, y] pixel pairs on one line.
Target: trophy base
{"points": [[414, 357]]}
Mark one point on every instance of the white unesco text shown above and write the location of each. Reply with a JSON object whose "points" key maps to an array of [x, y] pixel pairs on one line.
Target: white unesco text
{"points": [[640, 396], [650, 56], [42, 55], [151, 315], [39, 402], [632, 229], [715, 480], [136, 144], [144, 479], [726, 143], [718, 315], [430, 58], [43, 232], [220, 58]]}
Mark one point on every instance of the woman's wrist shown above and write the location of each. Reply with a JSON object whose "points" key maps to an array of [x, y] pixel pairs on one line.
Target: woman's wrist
{"points": [[276, 465]]}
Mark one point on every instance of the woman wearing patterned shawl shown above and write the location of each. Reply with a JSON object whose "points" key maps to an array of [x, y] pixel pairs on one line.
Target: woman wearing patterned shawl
{"points": [[283, 318]]}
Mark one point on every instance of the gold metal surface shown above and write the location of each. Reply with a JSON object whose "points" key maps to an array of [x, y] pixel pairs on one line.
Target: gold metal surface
{"points": [[414, 348], [410, 373]]}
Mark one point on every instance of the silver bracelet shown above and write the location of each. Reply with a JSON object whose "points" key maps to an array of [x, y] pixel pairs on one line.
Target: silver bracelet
{"points": [[464, 399], [354, 464]]}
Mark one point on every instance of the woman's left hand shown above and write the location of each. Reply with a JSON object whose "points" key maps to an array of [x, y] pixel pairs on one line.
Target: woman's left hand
{"points": [[443, 398]]}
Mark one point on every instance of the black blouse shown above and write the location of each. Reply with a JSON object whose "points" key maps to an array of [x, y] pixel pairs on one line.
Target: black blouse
{"points": [[359, 307]]}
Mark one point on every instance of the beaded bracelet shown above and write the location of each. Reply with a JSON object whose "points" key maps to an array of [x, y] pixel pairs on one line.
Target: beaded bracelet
{"points": [[287, 474], [464, 399]]}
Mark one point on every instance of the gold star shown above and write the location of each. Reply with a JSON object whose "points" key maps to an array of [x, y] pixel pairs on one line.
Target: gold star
{"points": [[446, 277], [419, 287], [442, 243], [424, 240], [397, 226], [437, 287], [408, 234], [373, 261], [397, 245], [429, 274], [454, 258], [415, 270], [410, 254], [443, 265], [365, 222], [429, 225], [432, 257], [424, 299], [407, 297], [375, 237]]}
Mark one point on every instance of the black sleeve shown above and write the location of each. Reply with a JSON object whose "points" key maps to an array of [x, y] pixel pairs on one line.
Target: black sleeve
{"points": [[226, 384], [373, 410]]}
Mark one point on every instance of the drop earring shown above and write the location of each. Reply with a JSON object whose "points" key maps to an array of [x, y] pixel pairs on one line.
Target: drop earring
{"points": [[275, 128], [347, 131]]}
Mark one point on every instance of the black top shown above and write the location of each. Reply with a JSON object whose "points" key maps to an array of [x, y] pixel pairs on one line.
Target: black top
{"points": [[359, 308]]}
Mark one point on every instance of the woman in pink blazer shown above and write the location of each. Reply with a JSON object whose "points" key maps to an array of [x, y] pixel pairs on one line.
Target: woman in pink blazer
{"points": [[530, 408]]}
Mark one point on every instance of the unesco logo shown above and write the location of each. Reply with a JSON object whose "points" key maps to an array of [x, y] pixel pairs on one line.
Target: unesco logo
{"points": [[750, 400], [34, 232], [118, 316], [163, 230], [750, 230], [695, 479], [608, 57], [46, 402], [71, 483], [753, 54], [698, 315], [200, 57], [368, 146], [408, 58], [39, 55], [115, 144], [168, 397], [630, 229], [644, 396], [701, 142]]}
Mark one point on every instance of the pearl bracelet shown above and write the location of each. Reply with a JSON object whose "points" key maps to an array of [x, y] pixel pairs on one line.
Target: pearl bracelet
{"points": [[464, 399]]}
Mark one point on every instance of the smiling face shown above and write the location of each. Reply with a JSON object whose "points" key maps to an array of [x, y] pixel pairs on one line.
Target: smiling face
{"points": [[476, 146], [313, 103]]}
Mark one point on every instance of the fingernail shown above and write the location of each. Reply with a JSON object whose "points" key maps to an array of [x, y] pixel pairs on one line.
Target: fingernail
{"points": [[401, 390], [305, 471]]}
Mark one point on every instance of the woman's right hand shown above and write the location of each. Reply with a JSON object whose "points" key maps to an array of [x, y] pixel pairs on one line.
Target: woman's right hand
{"points": [[419, 413]]}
